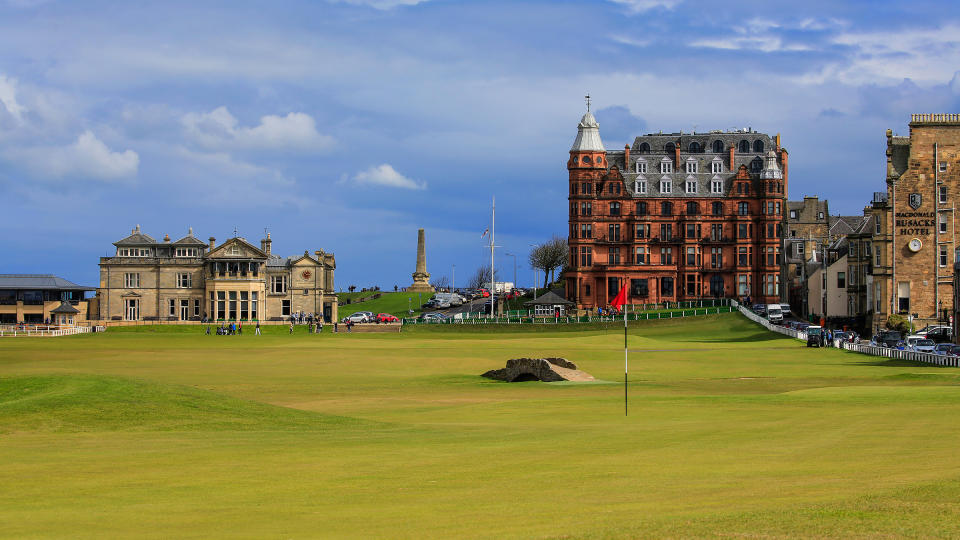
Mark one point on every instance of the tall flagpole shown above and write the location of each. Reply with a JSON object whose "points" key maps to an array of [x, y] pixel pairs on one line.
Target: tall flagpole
{"points": [[493, 222], [626, 361]]}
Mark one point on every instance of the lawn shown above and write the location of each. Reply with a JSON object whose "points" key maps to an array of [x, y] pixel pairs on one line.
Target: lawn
{"points": [[733, 431]]}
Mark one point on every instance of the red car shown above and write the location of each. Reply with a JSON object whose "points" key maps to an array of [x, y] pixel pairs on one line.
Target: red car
{"points": [[484, 293], [386, 317]]}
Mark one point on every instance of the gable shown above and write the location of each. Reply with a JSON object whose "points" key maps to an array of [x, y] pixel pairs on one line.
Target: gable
{"points": [[236, 248]]}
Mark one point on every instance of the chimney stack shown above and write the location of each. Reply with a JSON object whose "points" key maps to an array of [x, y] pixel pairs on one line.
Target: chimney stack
{"points": [[213, 242], [265, 245], [626, 157]]}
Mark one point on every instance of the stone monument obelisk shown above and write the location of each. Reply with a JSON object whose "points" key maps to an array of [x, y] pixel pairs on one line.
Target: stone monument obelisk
{"points": [[421, 278]]}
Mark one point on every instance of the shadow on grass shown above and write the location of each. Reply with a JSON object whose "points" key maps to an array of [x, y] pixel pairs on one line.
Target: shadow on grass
{"points": [[896, 362], [762, 336]]}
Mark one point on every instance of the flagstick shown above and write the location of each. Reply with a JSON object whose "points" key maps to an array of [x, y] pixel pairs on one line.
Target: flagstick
{"points": [[626, 361]]}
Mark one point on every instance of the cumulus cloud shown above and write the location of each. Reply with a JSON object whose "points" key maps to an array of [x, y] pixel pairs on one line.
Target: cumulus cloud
{"points": [[220, 129], [385, 175], [8, 97], [640, 6], [88, 157]]}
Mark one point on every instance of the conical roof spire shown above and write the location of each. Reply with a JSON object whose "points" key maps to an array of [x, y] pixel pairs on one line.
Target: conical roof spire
{"points": [[588, 135]]}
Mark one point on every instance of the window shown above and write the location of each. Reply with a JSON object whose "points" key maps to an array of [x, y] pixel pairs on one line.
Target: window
{"points": [[613, 232], [586, 289], [644, 148], [742, 231], [641, 255], [641, 166], [131, 309], [942, 194], [614, 209], [233, 250], [586, 188], [943, 166], [691, 167], [799, 246], [278, 285], [693, 230], [717, 208], [285, 307], [172, 307], [743, 209], [691, 256], [771, 230], [613, 255], [186, 252], [669, 148], [639, 287], [742, 256], [943, 256], [196, 307], [716, 231], [666, 286], [756, 165], [666, 166], [586, 209], [691, 187], [743, 285], [853, 249], [695, 148], [771, 257], [693, 208], [642, 209], [943, 223], [717, 146], [878, 292], [666, 209], [716, 257], [184, 280], [819, 215], [133, 252], [131, 280], [770, 208], [586, 256], [876, 227], [666, 255], [716, 187], [253, 306], [771, 285], [778, 208], [613, 286], [903, 297], [758, 146], [716, 167], [573, 209], [743, 147], [642, 231], [691, 284], [666, 231], [877, 262], [586, 230], [640, 187], [666, 186], [841, 280]]}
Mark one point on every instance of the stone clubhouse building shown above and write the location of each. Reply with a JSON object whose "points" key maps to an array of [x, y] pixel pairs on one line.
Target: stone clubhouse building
{"points": [[192, 280]]}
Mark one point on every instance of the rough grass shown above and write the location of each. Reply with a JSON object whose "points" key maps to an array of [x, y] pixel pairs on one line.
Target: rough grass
{"points": [[732, 431]]}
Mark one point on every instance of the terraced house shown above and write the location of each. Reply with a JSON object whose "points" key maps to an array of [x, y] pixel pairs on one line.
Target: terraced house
{"points": [[192, 280], [677, 216]]}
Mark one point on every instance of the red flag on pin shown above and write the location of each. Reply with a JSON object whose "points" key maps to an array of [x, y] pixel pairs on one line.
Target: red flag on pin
{"points": [[621, 297]]}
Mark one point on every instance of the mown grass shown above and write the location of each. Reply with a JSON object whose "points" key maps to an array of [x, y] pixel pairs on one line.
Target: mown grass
{"points": [[732, 431]]}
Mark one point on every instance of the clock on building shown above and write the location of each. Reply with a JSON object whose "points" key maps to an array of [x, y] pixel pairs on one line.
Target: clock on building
{"points": [[305, 274], [915, 245]]}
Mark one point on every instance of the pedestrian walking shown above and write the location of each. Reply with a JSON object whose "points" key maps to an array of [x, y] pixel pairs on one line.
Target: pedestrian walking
{"points": [[240, 328], [319, 325], [335, 330], [291, 327], [258, 328]]}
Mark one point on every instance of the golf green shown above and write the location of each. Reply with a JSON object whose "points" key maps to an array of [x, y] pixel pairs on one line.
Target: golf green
{"points": [[163, 432]]}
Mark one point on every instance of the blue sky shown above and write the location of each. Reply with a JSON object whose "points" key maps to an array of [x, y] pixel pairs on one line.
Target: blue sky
{"points": [[345, 126]]}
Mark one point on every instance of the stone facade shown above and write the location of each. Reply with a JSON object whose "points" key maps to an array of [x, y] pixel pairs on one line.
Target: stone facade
{"points": [[189, 280], [808, 226], [40, 298], [675, 216]]}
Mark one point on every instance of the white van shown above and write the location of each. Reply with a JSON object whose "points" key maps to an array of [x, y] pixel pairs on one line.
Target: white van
{"points": [[774, 313]]}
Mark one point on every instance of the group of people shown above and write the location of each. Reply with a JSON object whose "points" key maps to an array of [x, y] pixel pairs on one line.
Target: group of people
{"points": [[313, 326], [299, 317], [232, 329]]}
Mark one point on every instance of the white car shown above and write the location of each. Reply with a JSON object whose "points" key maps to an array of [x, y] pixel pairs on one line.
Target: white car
{"points": [[921, 345], [358, 317]]}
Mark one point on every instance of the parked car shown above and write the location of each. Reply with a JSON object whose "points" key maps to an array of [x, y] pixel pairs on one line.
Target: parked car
{"points": [[921, 345], [945, 349], [432, 317], [484, 293], [939, 334], [785, 308], [841, 336], [888, 339], [814, 336], [358, 317], [774, 314], [385, 318], [760, 309]]}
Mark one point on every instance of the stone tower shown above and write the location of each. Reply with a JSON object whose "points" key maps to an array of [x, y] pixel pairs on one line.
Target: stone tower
{"points": [[421, 278]]}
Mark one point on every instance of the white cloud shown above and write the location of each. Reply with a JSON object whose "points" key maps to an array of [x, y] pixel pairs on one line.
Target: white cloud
{"points": [[88, 157], [640, 6], [219, 129], [923, 55], [218, 178], [385, 175], [8, 97]]}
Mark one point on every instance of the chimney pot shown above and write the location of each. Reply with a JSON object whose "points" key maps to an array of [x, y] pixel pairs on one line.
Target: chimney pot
{"points": [[213, 242]]}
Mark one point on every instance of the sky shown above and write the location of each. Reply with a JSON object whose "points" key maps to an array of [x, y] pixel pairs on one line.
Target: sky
{"points": [[347, 125]]}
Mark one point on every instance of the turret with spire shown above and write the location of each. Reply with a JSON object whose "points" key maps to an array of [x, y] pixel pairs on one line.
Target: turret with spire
{"points": [[587, 150]]}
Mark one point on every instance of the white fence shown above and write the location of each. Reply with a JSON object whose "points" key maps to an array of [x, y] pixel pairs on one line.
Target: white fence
{"points": [[863, 348], [16, 330]]}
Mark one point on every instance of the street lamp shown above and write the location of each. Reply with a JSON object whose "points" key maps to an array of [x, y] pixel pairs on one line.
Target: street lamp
{"points": [[534, 276]]}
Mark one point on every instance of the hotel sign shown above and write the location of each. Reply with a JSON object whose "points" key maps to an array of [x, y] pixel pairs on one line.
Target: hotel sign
{"points": [[915, 223]]}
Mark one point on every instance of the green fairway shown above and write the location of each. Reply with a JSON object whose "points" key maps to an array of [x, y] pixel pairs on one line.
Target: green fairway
{"points": [[733, 432]]}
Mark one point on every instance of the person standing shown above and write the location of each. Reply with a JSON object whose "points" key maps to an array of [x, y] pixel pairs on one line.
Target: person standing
{"points": [[319, 325], [258, 328], [240, 329], [291, 327]]}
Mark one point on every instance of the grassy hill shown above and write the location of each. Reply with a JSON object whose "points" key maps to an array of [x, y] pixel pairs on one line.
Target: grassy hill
{"points": [[394, 303], [732, 432]]}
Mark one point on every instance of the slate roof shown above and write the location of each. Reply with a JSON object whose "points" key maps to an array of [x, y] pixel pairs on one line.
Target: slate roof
{"points": [[845, 224], [136, 238], [550, 298], [65, 307], [190, 240], [276, 261], [39, 282]]}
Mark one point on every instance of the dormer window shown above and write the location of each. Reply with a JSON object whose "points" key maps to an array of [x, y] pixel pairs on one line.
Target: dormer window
{"points": [[666, 166], [691, 187], [186, 252], [716, 187], [743, 147], [640, 187], [756, 165], [666, 186], [717, 146], [716, 167], [641, 166], [133, 252], [691, 167], [695, 148], [758, 146]]}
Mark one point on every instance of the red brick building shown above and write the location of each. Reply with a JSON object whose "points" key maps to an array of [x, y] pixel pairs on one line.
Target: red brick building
{"points": [[680, 216]]}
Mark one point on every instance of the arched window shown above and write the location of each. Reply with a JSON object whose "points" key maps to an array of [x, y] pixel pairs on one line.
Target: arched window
{"points": [[718, 208], [669, 148], [744, 147], [758, 146], [743, 209], [586, 159], [756, 165], [718, 146], [644, 148], [666, 209], [693, 208], [695, 148]]}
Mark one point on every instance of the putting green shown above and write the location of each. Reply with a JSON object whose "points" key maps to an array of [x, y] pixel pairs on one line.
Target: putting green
{"points": [[733, 431]]}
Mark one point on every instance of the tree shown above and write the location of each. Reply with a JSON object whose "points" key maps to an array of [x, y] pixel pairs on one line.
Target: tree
{"points": [[549, 256], [481, 278], [440, 283]]}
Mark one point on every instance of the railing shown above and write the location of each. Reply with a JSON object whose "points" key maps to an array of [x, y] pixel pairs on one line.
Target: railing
{"points": [[921, 118], [863, 348], [34, 330]]}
